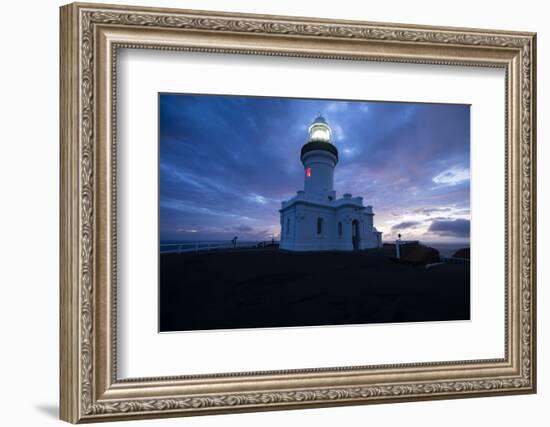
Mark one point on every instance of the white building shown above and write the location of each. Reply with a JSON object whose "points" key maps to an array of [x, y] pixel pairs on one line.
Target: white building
{"points": [[315, 219]]}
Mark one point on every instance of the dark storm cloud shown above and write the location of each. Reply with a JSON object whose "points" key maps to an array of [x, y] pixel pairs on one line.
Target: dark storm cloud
{"points": [[229, 161], [406, 224], [451, 228]]}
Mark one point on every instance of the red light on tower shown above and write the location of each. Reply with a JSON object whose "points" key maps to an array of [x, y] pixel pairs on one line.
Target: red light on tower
{"points": [[308, 172]]}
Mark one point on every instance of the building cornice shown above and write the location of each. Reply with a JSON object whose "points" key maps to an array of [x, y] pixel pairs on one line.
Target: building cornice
{"points": [[292, 203]]}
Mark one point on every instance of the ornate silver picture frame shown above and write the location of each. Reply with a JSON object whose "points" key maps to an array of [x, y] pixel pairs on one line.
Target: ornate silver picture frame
{"points": [[91, 36]]}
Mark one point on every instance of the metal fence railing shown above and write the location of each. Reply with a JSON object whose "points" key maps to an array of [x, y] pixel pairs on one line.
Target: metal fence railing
{"points": [[211, 246]]}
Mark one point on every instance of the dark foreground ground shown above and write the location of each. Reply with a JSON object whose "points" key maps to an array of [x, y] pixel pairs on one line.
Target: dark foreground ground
{"points": [[273, 288]]}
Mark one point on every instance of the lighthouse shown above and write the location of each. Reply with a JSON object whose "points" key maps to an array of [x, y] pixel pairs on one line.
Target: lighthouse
{"points": [[315, 219]]}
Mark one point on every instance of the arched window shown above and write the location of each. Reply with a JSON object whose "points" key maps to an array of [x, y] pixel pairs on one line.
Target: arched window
{"points": [[339, 229], [319, 225]]}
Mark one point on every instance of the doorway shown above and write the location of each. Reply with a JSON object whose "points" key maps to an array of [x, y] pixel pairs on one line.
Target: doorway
{"points": [[355, 234]]}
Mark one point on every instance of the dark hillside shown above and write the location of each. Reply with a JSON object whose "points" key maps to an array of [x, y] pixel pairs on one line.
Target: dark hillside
{"points": [[273, 288]]}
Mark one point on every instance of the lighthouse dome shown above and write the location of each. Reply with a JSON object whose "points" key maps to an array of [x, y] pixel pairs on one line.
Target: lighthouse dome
{"points": [[319, 119]]}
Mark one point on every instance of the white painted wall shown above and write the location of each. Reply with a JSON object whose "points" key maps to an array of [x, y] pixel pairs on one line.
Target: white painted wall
{"points": [[29, 170], [320, 183], [299, 230]]}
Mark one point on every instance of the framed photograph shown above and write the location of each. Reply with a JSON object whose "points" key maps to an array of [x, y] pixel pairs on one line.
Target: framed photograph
{"points": [[267, 212]]}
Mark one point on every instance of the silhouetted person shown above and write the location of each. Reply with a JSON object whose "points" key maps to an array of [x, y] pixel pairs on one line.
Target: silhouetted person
{"points": [[234, 241]]}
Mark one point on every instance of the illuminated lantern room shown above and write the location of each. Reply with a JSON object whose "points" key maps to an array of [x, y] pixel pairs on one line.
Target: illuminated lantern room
{"points": [[320, 131]]}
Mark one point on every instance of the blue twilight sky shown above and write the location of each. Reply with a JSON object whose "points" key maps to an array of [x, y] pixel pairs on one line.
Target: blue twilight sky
{"points": [[227, 162]]}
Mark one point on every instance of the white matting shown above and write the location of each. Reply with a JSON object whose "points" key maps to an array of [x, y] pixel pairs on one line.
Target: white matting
{"points": [[144, 352]]}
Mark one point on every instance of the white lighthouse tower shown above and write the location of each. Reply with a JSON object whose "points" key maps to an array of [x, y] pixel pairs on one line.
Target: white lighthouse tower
{"points": [[319, 157], [315, 219]]}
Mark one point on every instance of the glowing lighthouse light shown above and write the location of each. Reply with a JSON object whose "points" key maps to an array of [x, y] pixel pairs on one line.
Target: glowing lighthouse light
{"points": [[308, 172], [319, 131]]}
